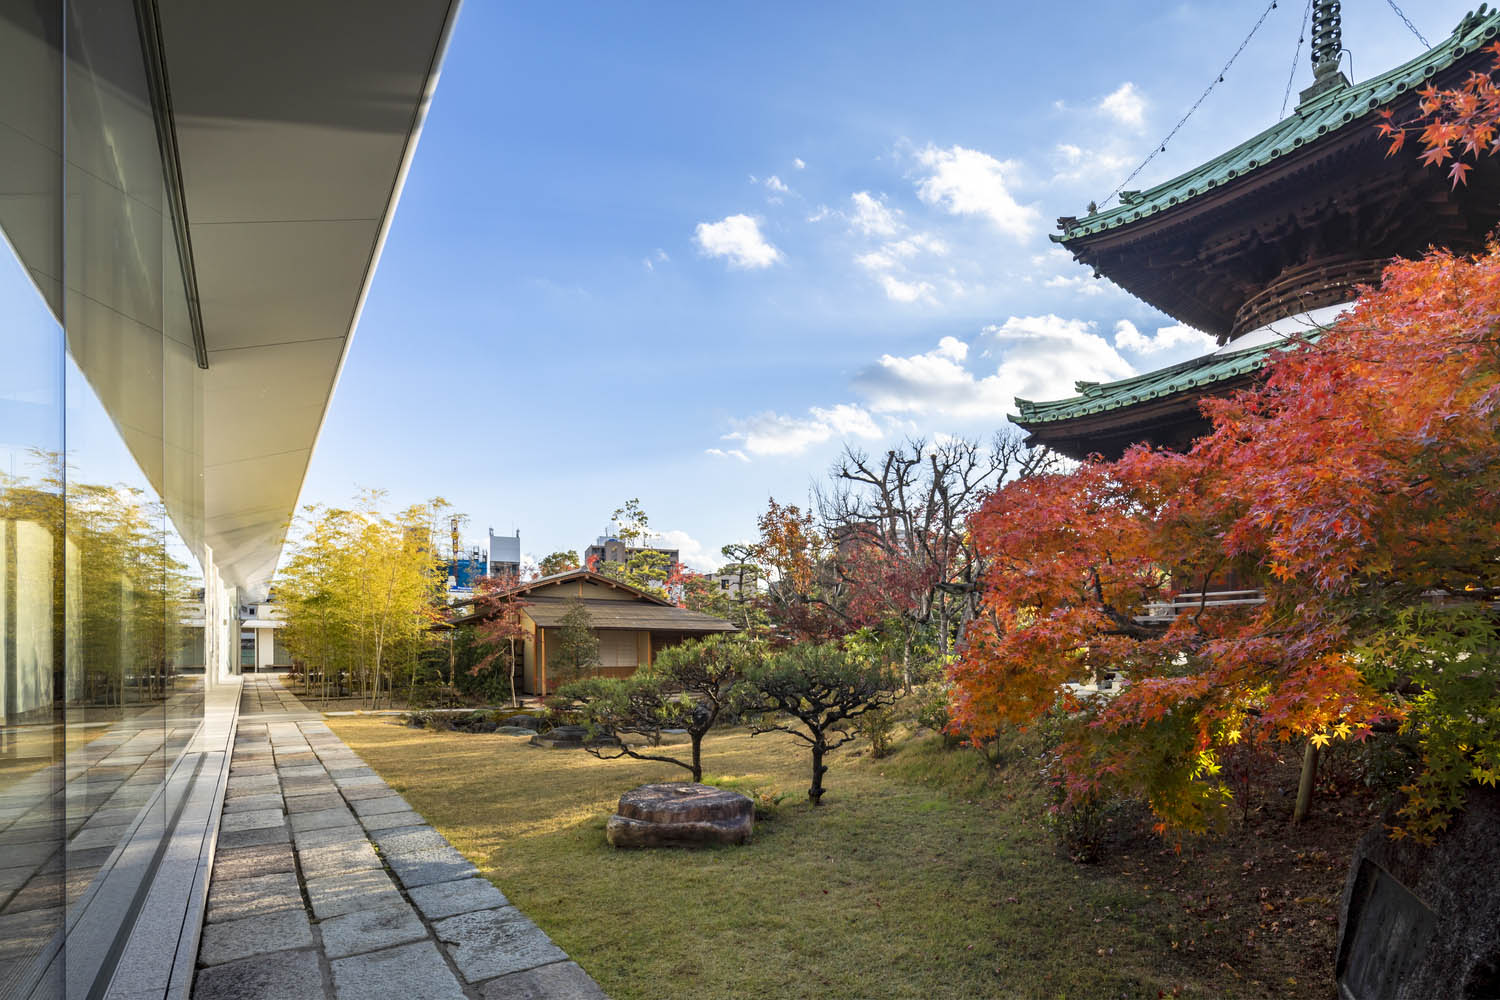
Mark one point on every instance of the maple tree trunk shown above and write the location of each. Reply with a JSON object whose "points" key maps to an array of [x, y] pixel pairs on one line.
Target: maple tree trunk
{"points": [[1305, 786]]}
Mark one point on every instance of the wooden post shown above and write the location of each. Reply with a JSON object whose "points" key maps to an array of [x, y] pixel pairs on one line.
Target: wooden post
{"points": [[1305, 786], [541, 661]]}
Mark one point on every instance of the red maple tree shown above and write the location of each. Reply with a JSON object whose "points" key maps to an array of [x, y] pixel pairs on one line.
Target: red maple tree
{"points": [[1359, 483]]}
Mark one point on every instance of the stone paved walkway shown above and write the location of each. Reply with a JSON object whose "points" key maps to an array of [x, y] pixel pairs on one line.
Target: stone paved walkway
{"points": [[327, 884]]}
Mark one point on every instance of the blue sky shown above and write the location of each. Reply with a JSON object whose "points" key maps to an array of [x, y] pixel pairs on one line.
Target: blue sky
{"points": [[683, 252]]}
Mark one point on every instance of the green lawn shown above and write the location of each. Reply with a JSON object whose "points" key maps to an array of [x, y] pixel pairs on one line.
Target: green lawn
{"points": [[918, 877]]}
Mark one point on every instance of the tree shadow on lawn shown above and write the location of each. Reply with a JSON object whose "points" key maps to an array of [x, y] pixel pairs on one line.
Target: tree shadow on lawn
{"points": [[898, 886]]}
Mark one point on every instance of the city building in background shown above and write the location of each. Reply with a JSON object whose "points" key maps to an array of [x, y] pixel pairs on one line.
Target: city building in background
{"points": [[193, 197], [505, 555]]}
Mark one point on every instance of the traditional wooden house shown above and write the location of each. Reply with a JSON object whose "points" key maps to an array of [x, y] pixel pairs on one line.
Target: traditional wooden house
{"points": [[1269, 239], [632, 625]]}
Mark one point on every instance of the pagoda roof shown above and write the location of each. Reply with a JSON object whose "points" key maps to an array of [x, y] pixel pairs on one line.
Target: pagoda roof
{"points": [[1323, 115], [1197, 376]]}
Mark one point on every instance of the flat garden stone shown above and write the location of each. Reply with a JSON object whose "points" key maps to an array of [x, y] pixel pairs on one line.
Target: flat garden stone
{"points": [[411, 972], [246, 862], [680, 814], [447, 899], [335, 895], [286, 975], [231, 940], [558, 981], [341, 774], [255, 819], [386, 821], [369, 930], [322, 819], [250, 897], [489, 943]]}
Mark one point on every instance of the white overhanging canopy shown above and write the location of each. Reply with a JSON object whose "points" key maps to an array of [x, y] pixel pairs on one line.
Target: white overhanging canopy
{"points": [[295, 124], [269, 142]]}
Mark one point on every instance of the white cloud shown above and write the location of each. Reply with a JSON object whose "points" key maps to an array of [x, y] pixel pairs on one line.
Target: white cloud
{"points": [[737, 238], [690, 552], [871, 216], [798, 163], [823, 212], [1073, 164], [1125, 105], [776, 184], [1039, 358], [659, 257], [905, 291], [731, 453], [1076, 283], [1035, 357], [778, 434], [968, 182], [1167, 338], [891, 260]]}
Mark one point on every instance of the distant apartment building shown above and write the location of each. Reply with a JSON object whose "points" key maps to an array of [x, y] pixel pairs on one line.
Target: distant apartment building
{"points": [[505, 555], [608, 549]]}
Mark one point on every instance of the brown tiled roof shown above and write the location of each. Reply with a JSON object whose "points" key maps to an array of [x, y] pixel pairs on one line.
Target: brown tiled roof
{"points": [[549, 612]]}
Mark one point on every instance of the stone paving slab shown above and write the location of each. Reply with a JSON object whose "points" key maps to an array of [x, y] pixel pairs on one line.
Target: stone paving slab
{"points": [[251, 838], [322, 819], [302, 904], [248, 803], [547, 982], [254, 896], [313, 803], [489, 943], [410, 972], [371, 930], [384, 804], [350, 891], [236, 939], [286, 975], [243, 862], [255, 819], [387, 821], [447, 899]]}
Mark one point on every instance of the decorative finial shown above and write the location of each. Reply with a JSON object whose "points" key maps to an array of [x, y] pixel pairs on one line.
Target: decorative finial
{"points": [[1327, 46], [1327, 37]]}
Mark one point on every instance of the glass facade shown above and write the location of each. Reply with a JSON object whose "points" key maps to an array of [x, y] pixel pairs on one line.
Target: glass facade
{"points": [[105, 657]]}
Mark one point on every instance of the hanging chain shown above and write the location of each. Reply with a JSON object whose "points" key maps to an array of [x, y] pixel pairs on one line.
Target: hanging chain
{"points": [[1161, 147], [1409, 26], [1301, 37]]}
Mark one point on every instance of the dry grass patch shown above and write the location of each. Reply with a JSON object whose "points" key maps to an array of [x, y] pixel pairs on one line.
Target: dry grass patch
{"points": [[920, 876]]}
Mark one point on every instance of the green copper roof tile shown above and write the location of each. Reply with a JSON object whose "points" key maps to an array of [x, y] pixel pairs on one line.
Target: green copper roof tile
{"points": [[1322, 115], [1099, 397]]}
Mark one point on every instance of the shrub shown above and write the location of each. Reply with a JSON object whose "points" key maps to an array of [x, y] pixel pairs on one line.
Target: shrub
{"points": [[824, 690], [878, 727]]}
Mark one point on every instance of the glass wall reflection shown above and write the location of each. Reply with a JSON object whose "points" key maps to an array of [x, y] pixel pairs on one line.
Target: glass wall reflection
{"points": [[101, 577]]}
